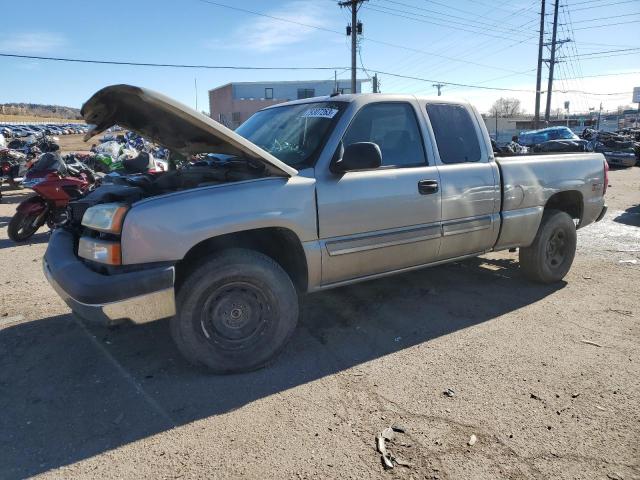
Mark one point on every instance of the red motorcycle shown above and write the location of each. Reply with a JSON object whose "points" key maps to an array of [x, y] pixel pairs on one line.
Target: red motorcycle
{"points": [[56, 184]]}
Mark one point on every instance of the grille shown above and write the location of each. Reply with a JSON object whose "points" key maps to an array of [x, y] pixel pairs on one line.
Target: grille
{"points": [[76, 210]]}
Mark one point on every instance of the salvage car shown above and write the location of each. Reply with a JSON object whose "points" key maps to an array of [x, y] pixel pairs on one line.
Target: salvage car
{"points": [[552, 140], [304, 196]]}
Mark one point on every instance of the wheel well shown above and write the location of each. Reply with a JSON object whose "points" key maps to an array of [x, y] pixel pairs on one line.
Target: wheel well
{"points": [[570, 202], [281, 244]]}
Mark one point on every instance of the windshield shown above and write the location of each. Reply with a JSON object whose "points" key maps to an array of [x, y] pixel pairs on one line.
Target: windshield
{"points": [[292, 133]]}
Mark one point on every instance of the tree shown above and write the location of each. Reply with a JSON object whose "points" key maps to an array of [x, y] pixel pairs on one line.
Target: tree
{"points": [[506, 107]]}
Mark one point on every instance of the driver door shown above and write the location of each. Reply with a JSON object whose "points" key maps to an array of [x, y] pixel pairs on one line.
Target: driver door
{"points": [[380, 220]]}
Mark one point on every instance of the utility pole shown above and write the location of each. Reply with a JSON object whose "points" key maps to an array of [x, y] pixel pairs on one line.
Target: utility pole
{"points": [[552, 61], [354, 29], [439, 86], [536, 119], [599, 114], [376, 85]]}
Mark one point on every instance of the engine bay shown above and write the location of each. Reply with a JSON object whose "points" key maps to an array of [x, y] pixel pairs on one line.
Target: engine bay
{"points": [[202, 171]]}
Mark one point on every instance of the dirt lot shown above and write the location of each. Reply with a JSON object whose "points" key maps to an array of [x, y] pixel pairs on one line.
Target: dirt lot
{"points": [[546, 377]]}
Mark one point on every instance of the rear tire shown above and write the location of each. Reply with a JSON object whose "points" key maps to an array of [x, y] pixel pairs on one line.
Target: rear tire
{"points": [[235, 312], [549, 258], [21, 227]]}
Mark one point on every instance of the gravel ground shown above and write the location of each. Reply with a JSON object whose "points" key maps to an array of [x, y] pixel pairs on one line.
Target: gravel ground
{"points": [[546, 377]]}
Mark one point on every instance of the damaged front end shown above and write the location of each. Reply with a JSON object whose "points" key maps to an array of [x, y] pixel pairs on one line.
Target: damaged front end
{"points": [[214, 154]]}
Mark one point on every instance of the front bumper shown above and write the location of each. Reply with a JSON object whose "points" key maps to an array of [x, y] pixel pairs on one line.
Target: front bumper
{"points": [[141, 296]]}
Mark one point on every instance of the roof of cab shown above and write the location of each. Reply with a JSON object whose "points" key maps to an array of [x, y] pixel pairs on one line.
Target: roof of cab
{"points": [[378, 97]]}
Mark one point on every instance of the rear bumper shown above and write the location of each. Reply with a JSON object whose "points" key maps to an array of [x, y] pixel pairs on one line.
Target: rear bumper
{"points": [[141, 296]]}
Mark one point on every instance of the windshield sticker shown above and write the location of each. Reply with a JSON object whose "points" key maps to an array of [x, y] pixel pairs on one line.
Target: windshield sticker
{"points": [[320, 113]]}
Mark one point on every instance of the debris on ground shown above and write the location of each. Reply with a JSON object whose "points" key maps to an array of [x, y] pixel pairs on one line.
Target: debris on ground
{"points": [[589, 342], [472, 440], [388, 459], [449, 392], [629, 262]]}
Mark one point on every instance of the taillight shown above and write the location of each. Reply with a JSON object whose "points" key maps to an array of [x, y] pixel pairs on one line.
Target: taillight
{"points": [[606, 177]]}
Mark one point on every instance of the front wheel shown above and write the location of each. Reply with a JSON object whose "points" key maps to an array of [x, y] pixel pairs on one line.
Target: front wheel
{"points": [[549, 258], [236, 312], [22, 226]]}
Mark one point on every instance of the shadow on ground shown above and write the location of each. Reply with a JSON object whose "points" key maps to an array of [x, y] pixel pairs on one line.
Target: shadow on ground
{"points": [[66, 396], [14, 196], [631, 216], [41, 236]]}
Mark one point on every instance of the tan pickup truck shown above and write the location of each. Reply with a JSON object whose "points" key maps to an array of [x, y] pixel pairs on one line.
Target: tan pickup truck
{"points": [[304, 196]]}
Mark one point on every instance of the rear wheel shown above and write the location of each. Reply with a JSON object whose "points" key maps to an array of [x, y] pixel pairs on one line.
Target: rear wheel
{"points": [[22, 226], [235, 312], [549, 258]]}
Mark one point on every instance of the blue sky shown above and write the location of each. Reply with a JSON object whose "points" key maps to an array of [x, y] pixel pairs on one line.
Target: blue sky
{"points": [[489, 42]]}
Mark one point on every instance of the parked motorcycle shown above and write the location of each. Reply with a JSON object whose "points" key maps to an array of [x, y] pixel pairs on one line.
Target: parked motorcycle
{"points": [[11, 162], [56, 183]]}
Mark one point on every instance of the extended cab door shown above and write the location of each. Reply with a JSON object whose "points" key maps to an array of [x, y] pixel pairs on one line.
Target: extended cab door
{"points": [[469, 180], [379, 220]]}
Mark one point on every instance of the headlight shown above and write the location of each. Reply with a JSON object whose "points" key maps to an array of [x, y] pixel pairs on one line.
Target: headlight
{"points": [[101, 251], [106, 218]]}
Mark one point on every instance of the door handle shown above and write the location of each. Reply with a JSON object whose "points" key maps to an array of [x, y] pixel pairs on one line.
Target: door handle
{"points": [[427, 187]]}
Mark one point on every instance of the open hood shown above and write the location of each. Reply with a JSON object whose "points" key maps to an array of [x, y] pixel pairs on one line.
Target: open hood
{"points": [[170, 124]]}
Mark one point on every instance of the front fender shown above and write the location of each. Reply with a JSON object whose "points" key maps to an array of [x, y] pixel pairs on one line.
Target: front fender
{"points": [[165, 228], [32, 206]]}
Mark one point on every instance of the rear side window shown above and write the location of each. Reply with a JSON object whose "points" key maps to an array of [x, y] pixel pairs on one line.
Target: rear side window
{"points": [[455, 133], [394, 128]]}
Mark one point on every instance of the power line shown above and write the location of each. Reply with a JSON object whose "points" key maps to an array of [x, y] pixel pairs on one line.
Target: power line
{"points": [[603, 5], [475, 21], [163, 65], [236, 67], [452, 44], [379, 42], [273, 17], [619, 74], [411, 16], [450, 7], [593, 1], [485, 87], [609, 51], [607, 25], [605, 18]]}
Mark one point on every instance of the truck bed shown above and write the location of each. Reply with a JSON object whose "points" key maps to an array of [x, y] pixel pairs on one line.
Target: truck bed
{"points": [[529, 182]]}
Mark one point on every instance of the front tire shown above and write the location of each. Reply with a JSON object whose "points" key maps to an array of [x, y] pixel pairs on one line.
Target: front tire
{"points": [[21, 227], [549, 258], [235, 312]]}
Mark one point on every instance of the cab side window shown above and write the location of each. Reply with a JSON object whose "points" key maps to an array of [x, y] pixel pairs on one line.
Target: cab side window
{"points": [[455, 133], [394, 128]]}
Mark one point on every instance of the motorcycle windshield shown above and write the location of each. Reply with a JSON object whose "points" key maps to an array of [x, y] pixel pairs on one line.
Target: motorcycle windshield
{"points": [[49, 161]]}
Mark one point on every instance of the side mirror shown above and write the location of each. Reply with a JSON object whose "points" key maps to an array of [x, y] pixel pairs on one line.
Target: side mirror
{"points": [[359, 156]]}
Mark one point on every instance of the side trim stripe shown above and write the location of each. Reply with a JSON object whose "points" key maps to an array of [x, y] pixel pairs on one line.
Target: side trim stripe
{"points": [[370, 242]]}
